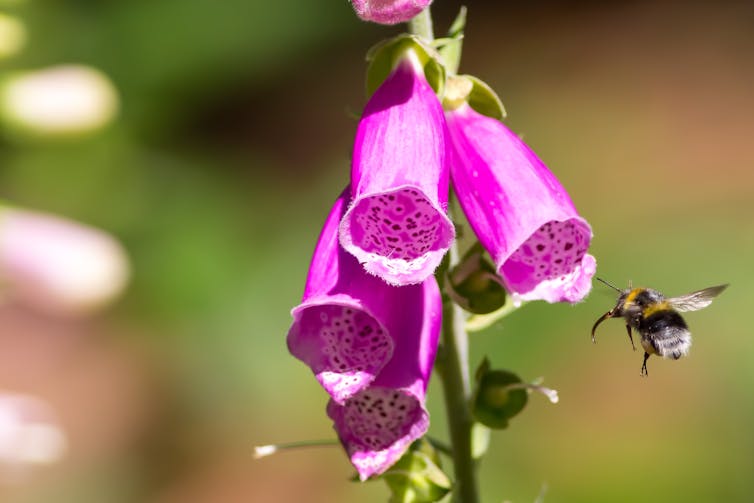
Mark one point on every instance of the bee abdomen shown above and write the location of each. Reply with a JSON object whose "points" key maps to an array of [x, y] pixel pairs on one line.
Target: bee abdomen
{"points": [[672, 343], [668, 333]]}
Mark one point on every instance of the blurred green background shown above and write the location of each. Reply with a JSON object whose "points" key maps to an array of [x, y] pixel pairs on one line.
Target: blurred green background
{"points": [[233, 140]]}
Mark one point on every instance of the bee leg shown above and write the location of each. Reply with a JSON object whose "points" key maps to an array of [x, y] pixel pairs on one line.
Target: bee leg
{"points": [[630, 337], [644, 365]]}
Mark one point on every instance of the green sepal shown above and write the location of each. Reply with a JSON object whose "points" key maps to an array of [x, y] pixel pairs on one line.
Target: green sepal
{"points": [[469, 89], [475, 285], [417, 476], [382, 58], [450, 47], [495, 401], [484, 100]]}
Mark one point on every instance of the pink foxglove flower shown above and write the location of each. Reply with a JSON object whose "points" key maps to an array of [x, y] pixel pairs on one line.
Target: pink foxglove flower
{"points": [[519, 211], [30, 434], [389, 11], [347, 325], [397, 225], [57, 265], [378, 423]]}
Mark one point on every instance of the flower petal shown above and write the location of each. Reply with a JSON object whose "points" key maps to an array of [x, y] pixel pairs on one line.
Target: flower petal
{"points": [[397, 225], [519, 211]]}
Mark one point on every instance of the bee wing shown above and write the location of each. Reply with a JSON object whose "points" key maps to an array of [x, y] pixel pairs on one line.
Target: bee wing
{"points": [[696, 300]]}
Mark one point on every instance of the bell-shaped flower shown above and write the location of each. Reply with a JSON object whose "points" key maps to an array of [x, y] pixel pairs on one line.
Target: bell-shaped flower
{"points": [[377, 424], [389, 11], [30, 434], [397, 224], [519, 211], [57, 265], [348, 321]]}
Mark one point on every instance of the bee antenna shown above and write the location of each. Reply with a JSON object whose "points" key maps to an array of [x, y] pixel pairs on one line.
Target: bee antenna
{"points": [[608, 284]]}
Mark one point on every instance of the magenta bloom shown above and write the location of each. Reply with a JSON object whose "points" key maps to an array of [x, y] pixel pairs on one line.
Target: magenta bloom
{"points": [[59, 266], [348, 322], [397, 225], [519, 211], [389, 11], [378, 423]]}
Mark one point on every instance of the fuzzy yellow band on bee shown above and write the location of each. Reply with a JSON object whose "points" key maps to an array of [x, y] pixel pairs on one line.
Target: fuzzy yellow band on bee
{"points": [[656, 308], [632, 295]]}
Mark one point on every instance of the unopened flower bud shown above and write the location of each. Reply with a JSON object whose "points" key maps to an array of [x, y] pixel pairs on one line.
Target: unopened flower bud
{"points": [[500, 395], [389, 11], [475, 285], [495, 400]]}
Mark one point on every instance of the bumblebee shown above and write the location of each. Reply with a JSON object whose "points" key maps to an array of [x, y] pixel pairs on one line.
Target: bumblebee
{"points": [[663, 331]]}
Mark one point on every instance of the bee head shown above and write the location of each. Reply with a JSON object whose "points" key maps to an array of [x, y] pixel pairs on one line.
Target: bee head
{"points": [[633, 302]]}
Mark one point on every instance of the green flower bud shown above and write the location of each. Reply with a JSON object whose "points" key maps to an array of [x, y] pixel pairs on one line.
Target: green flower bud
{"points": [[501, 394], [475, 286], [417, 476], [495, 401]]}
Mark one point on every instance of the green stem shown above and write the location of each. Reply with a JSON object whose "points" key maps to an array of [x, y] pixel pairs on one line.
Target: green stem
{"points": [[453, 355], [421, 25], [453, 365]]}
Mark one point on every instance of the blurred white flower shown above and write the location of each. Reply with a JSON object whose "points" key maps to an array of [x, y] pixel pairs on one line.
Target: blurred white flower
{"points": [[29, 433], [58, 265], [12, 35], [57, 101]]}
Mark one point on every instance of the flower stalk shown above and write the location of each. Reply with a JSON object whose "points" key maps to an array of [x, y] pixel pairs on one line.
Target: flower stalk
{"points": [[453, 355], [388, 296], [453, 367]]}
